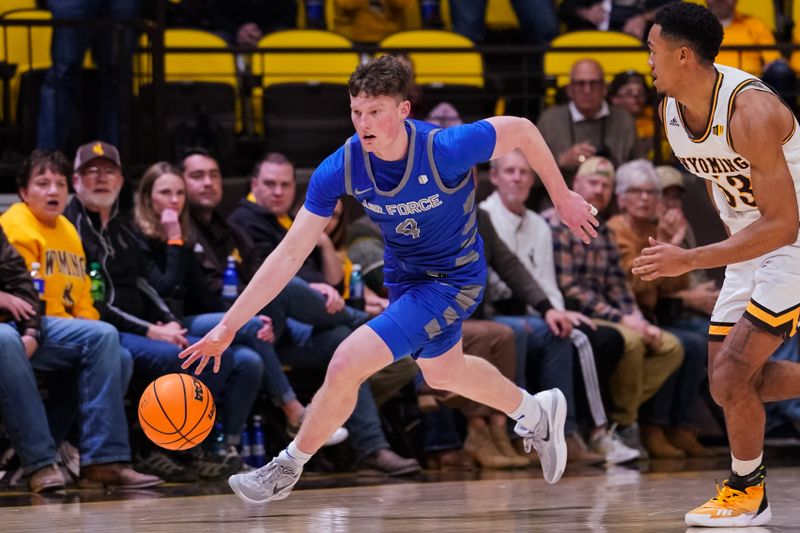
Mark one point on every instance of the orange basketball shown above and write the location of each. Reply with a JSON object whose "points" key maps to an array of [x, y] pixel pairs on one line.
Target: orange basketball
{"points": [[177, 412]]}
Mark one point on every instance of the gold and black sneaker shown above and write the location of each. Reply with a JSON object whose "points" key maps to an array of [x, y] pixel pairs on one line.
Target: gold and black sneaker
{"points": [[740, 502]]}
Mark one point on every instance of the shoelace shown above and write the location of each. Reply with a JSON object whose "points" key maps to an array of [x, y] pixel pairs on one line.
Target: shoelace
{"points": [[726, 494], [532, 441], [263, 475]]}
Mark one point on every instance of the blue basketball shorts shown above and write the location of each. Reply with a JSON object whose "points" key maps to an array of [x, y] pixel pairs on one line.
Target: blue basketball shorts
{"points": [[424, 318]]}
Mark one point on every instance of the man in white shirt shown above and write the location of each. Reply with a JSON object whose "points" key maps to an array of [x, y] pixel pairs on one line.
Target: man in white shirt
{"points": [[528, 236]]}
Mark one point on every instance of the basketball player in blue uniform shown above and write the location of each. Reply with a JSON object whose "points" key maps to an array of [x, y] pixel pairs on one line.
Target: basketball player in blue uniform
{"points": [[726, 126], [414, 181]]}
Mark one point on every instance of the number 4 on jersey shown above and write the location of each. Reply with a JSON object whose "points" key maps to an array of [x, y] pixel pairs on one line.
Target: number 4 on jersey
{"points": [[408, 227]]}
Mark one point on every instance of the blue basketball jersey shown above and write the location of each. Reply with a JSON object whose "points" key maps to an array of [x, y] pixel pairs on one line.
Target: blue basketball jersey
{"points": [[430, 228], [425, 205]]}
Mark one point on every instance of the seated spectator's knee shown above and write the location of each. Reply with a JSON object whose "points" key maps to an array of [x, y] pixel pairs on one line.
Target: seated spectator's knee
{"points": [[105, 332], [9, 341], [249, 361]]}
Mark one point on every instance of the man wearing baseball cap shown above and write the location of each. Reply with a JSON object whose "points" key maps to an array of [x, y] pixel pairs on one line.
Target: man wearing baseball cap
{"points": [[148, 328], [593, 282]]}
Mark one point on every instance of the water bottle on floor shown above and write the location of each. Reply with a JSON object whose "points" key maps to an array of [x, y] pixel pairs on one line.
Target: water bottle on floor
{"points": [[356, 299], [259, 455]]}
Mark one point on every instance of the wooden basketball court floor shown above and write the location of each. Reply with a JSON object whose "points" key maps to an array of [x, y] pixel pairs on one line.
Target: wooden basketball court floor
{"points": [[619, 499]]}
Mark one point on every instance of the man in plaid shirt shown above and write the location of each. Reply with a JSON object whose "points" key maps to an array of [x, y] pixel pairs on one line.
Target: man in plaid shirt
{"points": [[593, 282]]}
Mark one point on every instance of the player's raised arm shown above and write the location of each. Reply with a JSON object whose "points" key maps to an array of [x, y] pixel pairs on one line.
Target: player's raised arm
{"points": [[270, 279], [574, 211]]}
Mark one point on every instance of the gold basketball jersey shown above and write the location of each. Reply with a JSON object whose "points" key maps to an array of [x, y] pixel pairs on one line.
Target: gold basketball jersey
{"points": [[710, 155]]}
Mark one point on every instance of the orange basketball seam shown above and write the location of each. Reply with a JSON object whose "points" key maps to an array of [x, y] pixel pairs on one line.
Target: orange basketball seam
{"points": [[205, 410], [164, 411]]}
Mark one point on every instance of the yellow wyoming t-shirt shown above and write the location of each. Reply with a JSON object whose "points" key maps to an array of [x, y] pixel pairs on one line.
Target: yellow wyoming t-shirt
{"points": [[59, 251]]}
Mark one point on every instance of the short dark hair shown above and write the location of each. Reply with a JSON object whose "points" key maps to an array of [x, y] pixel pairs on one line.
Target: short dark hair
{"points": [[39, 161], [276, 158], [384, 76], [692, 25], [196, 150]]}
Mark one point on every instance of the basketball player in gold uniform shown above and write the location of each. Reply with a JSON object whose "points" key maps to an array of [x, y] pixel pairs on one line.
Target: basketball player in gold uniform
{"points": [[726, 126]]}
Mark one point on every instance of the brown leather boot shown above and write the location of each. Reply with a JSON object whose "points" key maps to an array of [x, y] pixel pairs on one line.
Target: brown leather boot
{"points": [[449, 460], [116, 475], [686, 439], [389, 463], [657, 445], [579, 453], [47, 479], [503, 443], [481, 447]]}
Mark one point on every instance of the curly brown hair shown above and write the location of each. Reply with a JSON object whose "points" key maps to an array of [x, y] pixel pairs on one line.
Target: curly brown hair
{"points": [[384, 76], [39, 161], [144, 213]]}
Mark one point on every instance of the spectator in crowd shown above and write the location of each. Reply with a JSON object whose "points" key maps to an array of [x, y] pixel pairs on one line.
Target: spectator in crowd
{"points": [[239, 22], [369, 21], [162, 216], [148, 328], [265, 217], [744, 30], [111, 39], [592, 281], [587, 125], [697, 301], [214, 240], [41, 234], [537, 19], [638, 189], [336, 230], [628, 90], [21, 407], [631, 17], [507, 225]]}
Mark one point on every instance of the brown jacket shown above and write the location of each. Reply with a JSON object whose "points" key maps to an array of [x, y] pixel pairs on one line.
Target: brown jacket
{"points": [[630, 246]]}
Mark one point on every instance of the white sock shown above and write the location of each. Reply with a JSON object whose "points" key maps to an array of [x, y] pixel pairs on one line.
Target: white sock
{"points": [[743, 468], [293, 453], [528, 413]]}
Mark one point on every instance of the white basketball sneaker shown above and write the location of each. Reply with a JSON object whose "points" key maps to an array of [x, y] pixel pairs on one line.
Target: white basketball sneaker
{"points": [[548, 435], [271, 482]]}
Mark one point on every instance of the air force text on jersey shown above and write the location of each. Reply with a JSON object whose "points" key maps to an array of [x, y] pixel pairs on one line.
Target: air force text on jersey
{"points": [[405, 208]]}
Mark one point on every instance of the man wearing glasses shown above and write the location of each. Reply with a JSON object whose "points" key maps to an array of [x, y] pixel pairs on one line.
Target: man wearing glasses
{"points": [[587, 126]]}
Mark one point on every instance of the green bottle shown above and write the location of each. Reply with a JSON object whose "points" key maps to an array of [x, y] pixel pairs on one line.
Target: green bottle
{"points": [[98, 284]]}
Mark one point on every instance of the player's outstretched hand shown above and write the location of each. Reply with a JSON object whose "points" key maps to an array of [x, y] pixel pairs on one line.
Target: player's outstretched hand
{"points": [[579, 216], [211, 346], [661, 260]]}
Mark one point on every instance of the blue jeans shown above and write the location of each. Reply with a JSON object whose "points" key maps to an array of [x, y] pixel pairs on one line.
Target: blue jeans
{"points": [[111, 49], [552, 355], [89, 351], [271, 379], [21, 407], [254, 363], [298, 301], [674, 404], [537, 19], [441, 432], [364, 424]]}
